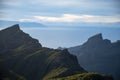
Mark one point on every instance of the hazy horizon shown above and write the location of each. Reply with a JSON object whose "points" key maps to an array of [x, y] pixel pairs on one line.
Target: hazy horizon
{"points": [[63, 37]]}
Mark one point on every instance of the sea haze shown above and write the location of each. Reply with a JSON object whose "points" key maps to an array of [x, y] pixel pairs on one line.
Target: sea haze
{"points": [[55, 37]]}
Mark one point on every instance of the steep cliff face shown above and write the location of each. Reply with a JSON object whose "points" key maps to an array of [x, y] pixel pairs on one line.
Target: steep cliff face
{"points": [[22, 57], [99, 55], [13, 37]]}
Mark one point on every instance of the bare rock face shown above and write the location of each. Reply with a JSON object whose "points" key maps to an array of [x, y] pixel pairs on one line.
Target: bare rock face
{"points": [[13, 37], [96, 38]]}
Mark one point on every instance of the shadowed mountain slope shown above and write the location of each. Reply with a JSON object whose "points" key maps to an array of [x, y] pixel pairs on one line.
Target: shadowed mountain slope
{"points": [[99, 55], [22, 57]]}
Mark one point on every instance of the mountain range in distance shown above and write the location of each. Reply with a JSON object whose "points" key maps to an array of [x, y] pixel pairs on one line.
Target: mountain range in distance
{"points": [[24, 58], [99, 55], [5, 24]]}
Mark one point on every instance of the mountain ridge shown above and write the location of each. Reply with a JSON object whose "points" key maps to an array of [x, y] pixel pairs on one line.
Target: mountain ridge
{"points": [[23, 56], [99, 55]]}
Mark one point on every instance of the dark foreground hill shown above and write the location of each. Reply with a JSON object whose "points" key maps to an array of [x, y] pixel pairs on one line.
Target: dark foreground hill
{"points": [[24, 58], [99, 55]]}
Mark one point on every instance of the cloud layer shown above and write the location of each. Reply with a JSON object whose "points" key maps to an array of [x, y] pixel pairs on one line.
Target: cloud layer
{"points": [[75, 18], [101, 7], [99, 11]]}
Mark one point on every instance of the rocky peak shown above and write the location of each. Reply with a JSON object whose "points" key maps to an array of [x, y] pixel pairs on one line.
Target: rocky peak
{"points": [[97, 41], [97, 37], [13, 28], [14, 37]]}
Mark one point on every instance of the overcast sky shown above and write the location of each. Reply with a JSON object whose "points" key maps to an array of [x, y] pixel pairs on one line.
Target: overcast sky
{"points": [[103, 11]]}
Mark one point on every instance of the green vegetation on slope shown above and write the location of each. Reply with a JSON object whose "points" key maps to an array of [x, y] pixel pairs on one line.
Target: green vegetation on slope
{"points": [[54, 73], [84, 76]]}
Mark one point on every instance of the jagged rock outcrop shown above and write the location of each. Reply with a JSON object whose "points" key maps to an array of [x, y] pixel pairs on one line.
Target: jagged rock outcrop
{"points": [[13, 37], [99, 55]]}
